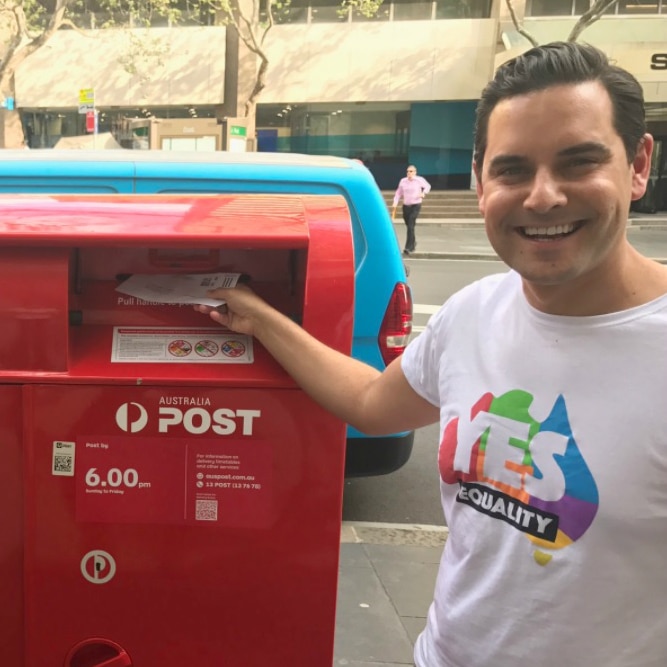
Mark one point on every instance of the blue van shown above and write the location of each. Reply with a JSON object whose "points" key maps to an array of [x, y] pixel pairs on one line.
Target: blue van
{"points": [[383, 304]]}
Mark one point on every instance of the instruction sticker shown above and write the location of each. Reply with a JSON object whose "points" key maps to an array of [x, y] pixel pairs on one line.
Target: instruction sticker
{"points": [[206, 345]]}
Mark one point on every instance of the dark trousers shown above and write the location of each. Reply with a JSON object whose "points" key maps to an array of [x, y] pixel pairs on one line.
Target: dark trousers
{"points": [[410, 214]]}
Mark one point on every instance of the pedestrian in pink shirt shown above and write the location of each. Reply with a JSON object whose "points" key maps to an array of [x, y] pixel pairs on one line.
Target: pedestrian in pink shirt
{"points": [[411, 189]]}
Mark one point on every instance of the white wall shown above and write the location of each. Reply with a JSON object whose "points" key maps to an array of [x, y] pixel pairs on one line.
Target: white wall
{"points": [[401, 61], [183, 66], [383, 61]]}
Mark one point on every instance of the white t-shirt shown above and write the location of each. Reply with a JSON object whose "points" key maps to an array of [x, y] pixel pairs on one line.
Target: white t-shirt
{"points": [[553, 477]]}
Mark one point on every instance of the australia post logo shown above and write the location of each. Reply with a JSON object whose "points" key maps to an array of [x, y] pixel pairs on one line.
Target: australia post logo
{"points": [[194, 415], [528, 474]]}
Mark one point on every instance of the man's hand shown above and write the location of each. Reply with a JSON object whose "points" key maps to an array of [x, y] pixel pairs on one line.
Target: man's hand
{"points": [[242, 311], [393, 213]]}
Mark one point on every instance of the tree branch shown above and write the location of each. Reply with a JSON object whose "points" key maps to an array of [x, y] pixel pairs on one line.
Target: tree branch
{"points": [[84, 33], [589, 17], [518, 27], [248, 37], [259, 84], [269, 23], [18, 49]]}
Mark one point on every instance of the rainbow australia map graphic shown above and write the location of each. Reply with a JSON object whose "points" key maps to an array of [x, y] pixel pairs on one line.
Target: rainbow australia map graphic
{"points": [[526, 473]]}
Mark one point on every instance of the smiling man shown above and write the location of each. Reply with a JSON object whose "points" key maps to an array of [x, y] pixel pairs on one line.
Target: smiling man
{"points": [[549, 383], [556, 178]]}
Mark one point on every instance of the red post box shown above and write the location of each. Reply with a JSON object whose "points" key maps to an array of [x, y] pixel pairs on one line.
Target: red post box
{"points": [[171, 497]]}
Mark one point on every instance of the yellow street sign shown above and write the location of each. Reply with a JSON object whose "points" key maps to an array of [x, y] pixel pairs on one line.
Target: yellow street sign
{"points": [[87, 96]]}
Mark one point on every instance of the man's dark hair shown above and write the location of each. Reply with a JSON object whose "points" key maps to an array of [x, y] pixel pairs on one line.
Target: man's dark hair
{"points": [[563, 63]]}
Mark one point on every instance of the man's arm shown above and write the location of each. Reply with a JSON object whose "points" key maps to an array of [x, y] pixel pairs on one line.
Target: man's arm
{"points": [[397, 197], [375, 403]]}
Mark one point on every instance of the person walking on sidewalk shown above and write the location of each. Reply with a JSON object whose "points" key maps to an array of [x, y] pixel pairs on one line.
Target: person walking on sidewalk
{"points": [[412, 189], [548, 382]]}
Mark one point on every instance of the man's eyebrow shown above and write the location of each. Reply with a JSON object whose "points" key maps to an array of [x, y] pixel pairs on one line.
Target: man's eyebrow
{"points": [[586, 147], [500, 161]]}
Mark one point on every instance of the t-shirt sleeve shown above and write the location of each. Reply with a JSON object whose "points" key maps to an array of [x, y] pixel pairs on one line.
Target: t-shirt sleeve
{"points": [[422, 358], [426, 357]]}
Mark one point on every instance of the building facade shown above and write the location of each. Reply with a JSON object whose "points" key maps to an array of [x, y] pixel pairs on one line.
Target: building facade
{"points": [[396, 88]]}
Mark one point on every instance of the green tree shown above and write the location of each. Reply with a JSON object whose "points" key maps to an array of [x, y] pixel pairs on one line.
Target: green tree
{"points": [[27, 25], [252, 20]]}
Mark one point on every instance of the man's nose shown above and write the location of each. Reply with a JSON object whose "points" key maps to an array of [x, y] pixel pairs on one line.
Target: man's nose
{"points": [[546, 192]]}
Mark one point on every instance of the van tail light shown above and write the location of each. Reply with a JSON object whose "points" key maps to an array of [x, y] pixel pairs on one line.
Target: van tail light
{"points": [[397, 324]]}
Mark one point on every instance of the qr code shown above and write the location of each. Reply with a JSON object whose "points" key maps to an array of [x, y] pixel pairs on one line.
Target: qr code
{"points": [[206, 510], [63, 464]]}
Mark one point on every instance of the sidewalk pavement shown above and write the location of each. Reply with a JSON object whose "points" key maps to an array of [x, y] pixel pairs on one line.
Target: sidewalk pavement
{"points": [[465, 238], [385, 587]]}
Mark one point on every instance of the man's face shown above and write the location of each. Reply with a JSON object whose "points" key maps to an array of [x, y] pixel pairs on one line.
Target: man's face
{"points": [[412, 172], [556, 186]]}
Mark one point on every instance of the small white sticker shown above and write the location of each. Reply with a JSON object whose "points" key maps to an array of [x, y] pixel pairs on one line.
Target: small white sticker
{"points": [[98, 567], [63, 458], [180, 345]]}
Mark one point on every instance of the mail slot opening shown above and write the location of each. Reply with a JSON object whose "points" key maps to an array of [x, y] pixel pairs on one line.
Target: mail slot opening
{"points": [[69, 258]]}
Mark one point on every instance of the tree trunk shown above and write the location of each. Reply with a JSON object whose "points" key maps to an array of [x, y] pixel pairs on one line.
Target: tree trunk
{"points": [[251, 119], [11, 129], [16, 51]]}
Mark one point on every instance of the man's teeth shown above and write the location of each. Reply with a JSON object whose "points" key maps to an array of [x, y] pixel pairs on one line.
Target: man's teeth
{"points": [[548, 231]]}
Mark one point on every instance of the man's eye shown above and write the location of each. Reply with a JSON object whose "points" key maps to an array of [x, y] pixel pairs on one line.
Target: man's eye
{"points": [[511, 172], [581, 162]]}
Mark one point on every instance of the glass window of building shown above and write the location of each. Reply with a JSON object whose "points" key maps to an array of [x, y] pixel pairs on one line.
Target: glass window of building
{"points": [[328, 11], [383, 13], [462, 9], [295, 11], [371, 132], [638, 7], [412, 10], [556, 7], [91, 14], [578, 7]]}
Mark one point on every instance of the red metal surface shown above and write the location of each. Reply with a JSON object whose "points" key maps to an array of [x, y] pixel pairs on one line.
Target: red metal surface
{"points": [[33, 309], [274, 221], [255, 587], [11, 535], [115, 549]]}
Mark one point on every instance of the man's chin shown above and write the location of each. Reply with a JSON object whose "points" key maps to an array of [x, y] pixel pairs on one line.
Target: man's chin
{"points": [[545, 278]]}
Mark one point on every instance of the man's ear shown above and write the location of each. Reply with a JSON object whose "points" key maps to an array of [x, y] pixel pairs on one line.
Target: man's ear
{"points": [[477, 170], [641, 166]]}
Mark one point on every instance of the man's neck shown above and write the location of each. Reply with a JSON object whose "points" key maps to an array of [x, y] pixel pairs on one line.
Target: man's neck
{"points": [[634, 281]]}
